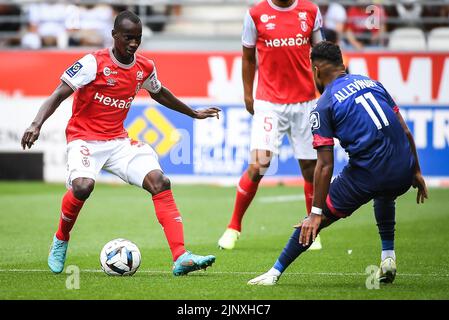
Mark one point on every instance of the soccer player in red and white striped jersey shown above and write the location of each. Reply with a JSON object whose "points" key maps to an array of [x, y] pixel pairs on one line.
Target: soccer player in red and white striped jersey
{"points": [[277, 39], [104, 85]]}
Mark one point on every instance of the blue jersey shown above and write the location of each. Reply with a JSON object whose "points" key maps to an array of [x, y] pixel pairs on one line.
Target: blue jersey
{"points": [[360, 113]]}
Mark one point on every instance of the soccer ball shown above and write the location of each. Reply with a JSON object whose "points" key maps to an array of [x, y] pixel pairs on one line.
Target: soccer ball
{"points": [[120, 257]]}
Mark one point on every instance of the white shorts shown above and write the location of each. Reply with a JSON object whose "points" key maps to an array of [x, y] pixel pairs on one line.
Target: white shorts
{"points": [[271, 121], [128, 159]]}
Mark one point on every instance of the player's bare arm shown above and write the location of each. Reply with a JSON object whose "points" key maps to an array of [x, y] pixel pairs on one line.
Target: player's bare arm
{"points": [[418, 180], [248, 74], [31, 134], [167, 99], [322, 180]]}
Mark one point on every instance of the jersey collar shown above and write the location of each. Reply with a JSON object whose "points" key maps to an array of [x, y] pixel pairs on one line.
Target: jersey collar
{"points": [[335, 80], [122, 65], [275, 7]]}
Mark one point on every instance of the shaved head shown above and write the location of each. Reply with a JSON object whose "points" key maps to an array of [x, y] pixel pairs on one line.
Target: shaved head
{"points": [[125, 15]]}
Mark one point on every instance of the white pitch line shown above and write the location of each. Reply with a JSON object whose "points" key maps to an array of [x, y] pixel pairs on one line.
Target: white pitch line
{"points": [[244, 273], [284, 198]]}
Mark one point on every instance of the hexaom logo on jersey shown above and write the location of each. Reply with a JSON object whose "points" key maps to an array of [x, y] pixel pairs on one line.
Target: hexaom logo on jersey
{"points": [[300, 40]]}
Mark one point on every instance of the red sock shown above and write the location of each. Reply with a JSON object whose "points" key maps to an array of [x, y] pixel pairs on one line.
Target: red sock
{"points": [[70, 208], [308, 193], [168, 216], [246, 190]]}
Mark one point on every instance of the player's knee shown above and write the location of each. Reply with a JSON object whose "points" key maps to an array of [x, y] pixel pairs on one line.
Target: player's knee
{"points": [[83, 189], [257, 170], [157, 184]]}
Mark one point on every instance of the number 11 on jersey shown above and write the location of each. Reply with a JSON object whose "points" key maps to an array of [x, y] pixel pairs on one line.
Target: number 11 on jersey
{"points": [[363, 100]]}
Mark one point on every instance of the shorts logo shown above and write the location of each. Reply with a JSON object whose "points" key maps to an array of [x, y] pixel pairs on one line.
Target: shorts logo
{"points": [[136, 143], [86, 162], [73, 70], [85, 151], [314, 120]]}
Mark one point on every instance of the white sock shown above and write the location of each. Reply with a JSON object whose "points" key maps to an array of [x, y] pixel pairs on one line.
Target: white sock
{"points": [[274, 272], [388, 253]]}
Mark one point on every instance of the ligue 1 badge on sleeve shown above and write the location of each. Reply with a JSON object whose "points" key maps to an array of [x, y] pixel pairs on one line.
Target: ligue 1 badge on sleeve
{"points": [[74, 69], [314, 120]]}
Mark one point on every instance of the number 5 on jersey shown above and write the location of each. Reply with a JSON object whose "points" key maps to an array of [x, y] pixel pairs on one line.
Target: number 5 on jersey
{"points": [[363, 100]]}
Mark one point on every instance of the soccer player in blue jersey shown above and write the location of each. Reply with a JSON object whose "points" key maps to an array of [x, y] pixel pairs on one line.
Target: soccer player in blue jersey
{"points": [[383, 162]]}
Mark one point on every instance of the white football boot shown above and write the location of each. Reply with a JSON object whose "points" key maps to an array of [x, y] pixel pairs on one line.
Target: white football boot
{"points": [[266, 279], [228, 239], [387, 270]]}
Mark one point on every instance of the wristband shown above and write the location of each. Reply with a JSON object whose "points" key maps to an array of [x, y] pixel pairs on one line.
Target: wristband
{"points": [[317, 211]]}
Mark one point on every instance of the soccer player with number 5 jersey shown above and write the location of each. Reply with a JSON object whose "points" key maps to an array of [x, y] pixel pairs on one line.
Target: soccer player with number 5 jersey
{"points": [[282, 33]]}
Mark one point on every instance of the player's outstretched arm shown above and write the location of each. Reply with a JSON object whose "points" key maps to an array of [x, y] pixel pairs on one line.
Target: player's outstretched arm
{"points": [[418, 180], [321, 181], [31, 134], [166, 98]]}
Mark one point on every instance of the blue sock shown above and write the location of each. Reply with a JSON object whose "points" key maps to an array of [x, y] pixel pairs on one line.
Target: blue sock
{"points": [[291, 251], [384, 210]]}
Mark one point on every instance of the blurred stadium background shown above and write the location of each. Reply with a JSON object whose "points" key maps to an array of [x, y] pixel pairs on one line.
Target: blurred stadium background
{"points": [[196, 47]]}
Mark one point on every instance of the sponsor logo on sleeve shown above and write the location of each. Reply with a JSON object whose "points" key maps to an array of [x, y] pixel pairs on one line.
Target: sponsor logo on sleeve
{"points": [[314, 120], [74, 69]]}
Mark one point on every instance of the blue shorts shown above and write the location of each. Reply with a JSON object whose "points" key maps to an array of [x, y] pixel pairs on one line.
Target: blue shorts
{"points": [[354, 187]]}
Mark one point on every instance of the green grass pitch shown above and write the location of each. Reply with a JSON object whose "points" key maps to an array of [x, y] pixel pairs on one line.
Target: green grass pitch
{"points": [[29, 214]]}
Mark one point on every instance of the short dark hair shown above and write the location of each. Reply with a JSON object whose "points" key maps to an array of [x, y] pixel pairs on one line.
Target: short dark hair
{"points": [[327, 51], [129, 15]]}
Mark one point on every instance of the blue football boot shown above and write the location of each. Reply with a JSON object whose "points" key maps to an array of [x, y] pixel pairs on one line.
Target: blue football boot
{"points": [[188, 262], [56, 257]]}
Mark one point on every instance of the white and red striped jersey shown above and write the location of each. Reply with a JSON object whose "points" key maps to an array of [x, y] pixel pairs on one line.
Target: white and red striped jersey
{"points": [[282, 37], [104, 90]]}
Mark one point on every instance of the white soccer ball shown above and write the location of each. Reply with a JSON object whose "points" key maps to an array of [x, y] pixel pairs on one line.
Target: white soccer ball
{"points": [[120, 257]]}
